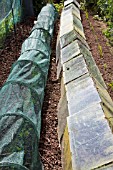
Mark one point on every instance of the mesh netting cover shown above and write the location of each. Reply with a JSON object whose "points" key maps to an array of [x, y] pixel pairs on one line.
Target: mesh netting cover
{"points": [[21, 98], [10, 14]]}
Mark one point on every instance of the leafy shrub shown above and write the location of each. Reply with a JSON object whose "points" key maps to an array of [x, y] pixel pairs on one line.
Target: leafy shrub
{"points": [[103, 7], [59, 6]]}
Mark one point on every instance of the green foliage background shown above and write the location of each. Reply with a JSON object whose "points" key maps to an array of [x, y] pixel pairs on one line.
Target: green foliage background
{"points": [[104, 8], [38, 4]]}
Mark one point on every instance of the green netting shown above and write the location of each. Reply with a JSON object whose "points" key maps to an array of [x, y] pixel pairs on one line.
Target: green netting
{"points": [[5, 7], [21, 98], [10, 14]]}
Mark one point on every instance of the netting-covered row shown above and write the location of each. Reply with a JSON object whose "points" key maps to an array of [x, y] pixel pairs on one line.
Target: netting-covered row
{"points": [[22, 95], [10, 13]]}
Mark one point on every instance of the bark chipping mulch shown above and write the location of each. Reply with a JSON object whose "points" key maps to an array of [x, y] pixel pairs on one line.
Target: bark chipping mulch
{"points": [[12, 47], [104, 63], [49, 145]]}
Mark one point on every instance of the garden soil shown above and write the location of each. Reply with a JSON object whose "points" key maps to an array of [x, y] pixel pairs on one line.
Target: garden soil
{"points": [[104, 62]]}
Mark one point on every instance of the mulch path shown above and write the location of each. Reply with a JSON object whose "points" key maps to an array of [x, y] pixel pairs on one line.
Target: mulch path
{"points": [[104, 63], [49, 146]]}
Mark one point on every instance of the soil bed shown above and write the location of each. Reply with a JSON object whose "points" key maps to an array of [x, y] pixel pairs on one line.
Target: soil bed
{"points": [[104, 63], [12, 47]]}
